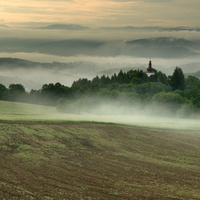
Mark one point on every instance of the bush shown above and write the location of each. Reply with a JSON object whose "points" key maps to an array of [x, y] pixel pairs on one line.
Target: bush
{"points": [[168, 101]]}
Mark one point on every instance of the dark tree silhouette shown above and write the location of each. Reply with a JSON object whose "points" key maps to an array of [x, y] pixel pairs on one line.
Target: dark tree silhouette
{"points": [[3, 90], [16, 92], [177, 81]]}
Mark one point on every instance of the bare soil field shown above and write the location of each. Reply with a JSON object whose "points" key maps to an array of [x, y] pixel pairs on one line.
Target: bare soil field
{"points": [[89, 161]]}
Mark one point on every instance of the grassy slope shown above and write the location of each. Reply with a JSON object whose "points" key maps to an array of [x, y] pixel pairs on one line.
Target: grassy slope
{"points": [[57, 160], [22, 111]]}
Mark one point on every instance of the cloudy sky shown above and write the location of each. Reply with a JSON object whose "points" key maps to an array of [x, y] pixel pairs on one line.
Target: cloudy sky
{"points": [[97, 13]]}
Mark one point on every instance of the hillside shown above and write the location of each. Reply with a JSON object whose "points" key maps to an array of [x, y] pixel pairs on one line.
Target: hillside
{"points": [[188, 69], [97, 161], [35, 74], [20, 111], [65, 27], [97, 45], [44, 156]]}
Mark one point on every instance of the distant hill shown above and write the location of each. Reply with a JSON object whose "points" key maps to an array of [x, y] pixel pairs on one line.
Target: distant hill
{"points": [[124, 69], [190, 68], [167, 47], [161, 47], [34, 74], [151, 28], [169, 41], [65, 27], [70, 47], [3, 26], [16, 62], [197, 74]]}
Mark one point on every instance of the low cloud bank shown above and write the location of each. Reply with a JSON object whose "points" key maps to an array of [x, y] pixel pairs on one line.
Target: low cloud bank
{"points": [[136, 107], [136, 113]]}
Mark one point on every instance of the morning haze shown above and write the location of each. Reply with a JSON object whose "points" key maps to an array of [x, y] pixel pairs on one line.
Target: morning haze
{"points": [[99, 99]]}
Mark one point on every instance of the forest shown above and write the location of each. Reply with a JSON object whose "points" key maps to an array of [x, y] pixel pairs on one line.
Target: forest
{"points": [[125, 92]]}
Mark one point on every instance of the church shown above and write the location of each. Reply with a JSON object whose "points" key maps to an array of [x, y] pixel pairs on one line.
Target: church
{"points": [[150, 70]]}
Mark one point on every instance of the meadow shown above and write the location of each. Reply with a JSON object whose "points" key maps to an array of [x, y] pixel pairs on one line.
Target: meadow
{"points": [[48, 155]]}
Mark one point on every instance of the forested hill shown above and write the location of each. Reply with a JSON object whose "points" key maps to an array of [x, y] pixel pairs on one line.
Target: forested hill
{"points": [[176, 92]]}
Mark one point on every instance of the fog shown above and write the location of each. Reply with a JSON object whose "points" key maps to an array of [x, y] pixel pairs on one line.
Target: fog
{"points": [[119, 112], [131, 112], [66, 70], [46, 58], [147, 121], [137, 42], [64, 55], [105, 48], [35, 78], [106, 33], [139, 117]]}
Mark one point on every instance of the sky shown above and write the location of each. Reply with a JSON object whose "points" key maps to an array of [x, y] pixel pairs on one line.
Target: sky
{"points": [[101, 13]]}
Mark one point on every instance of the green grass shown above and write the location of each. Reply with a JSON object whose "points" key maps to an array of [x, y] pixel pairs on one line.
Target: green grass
{"points": [[15, 108], [23, 111]]}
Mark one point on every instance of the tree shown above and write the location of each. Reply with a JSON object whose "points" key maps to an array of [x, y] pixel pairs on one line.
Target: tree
{"points": [[192, 82], [16, 92], [168, 102], [192, 87], [151, 88], [52, 92], [3, 90], [170, 98], [196, 102], [162, 78], [81, 83], [177, 81]]}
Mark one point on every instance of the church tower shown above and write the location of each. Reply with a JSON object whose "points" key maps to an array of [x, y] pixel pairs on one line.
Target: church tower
{"points": [[150, 69]]}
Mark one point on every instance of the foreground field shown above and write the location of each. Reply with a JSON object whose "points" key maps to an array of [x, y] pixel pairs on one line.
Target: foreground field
{"points": [[57, 160]]}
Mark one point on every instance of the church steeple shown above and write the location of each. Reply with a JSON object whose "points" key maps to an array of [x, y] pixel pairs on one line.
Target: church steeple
{"points": [[150, 69]]}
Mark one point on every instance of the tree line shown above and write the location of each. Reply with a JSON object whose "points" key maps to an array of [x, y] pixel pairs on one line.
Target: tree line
{"points": [[176, 92]]}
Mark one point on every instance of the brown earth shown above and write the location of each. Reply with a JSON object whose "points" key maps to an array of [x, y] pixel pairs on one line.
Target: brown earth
{"points": [[97, 161]]}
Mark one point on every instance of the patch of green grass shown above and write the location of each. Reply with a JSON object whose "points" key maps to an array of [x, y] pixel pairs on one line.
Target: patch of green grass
{"points": [[83, 188], [14, 111], [31, 159], [17, 108], [116, 193]]}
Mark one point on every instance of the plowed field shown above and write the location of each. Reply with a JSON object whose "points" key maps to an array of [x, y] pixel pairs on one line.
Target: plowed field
{"points": [[97, 161]]}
